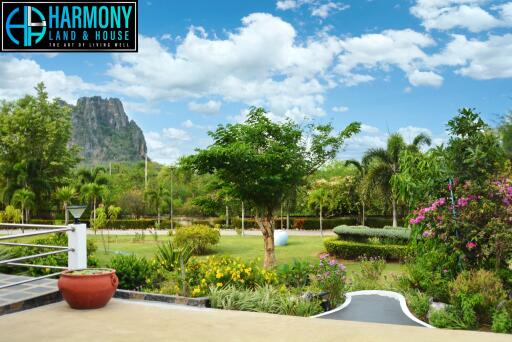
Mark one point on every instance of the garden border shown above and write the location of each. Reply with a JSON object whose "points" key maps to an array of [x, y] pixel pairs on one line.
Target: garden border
{"points": [[390, 294]]}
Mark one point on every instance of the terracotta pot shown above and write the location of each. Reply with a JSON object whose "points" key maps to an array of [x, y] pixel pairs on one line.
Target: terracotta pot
{"points": [[88, 291]]}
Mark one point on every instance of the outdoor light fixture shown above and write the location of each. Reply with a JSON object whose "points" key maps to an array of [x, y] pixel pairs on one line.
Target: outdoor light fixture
{"points": [[76, 211]]}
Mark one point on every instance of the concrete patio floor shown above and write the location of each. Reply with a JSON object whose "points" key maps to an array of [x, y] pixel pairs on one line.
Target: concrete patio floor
{"points": [[139, 321]]}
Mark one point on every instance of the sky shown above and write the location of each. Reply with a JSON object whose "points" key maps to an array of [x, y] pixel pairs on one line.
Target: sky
{"points": [[396, 66]]}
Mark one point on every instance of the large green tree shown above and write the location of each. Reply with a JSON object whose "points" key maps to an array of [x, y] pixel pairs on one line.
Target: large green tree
{"points": [[384, 164], [260, 161], [34, 146]]}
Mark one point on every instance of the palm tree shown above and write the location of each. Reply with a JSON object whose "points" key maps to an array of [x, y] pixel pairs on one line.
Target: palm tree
{"points": [[64, 195], [93, 192], [362, 170], [158, 197], [383, 164], [25, 198], [319, 198], [96, 175]]}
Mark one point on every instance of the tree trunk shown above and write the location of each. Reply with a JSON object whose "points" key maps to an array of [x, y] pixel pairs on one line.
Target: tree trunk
{"points": [[395, 222], [22, 214], [363, 218], [281, 217], [158, 220], [243, 219], [227, 216], [66, 214], [287, 218], [266, 225], [321, 223]]}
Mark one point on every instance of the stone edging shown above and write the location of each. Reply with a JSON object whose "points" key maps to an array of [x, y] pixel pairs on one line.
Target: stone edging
{"points": [[201, 302], [395, 295]]}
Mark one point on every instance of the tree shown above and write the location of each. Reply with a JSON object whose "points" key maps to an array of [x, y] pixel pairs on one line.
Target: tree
{"points": [[25, 198], [320, 197], [158, 196], [34, 146], [91, 192], [362, 185], [260, 161], [384, 164], [505, 131], [64, 195]]}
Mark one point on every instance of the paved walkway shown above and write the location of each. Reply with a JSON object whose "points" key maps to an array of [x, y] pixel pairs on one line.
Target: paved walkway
{"points": [[132, 321], [223, 232]]}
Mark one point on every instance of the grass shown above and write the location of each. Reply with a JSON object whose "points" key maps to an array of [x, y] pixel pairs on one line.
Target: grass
{"points": [[248, 248]]}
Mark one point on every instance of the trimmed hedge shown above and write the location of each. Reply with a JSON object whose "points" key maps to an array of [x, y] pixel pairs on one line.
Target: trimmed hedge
{"points": [[353, 250], [362, 234]]}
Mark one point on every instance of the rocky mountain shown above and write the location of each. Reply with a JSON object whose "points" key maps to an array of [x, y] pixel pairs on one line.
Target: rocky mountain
{"points": [[104, 133]]}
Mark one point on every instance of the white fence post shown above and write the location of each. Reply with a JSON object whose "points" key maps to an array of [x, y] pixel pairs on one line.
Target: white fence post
{"points": [[77, 240]]}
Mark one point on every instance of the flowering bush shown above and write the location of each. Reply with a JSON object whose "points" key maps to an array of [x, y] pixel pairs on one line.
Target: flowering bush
{"points": [[475, 225], [220, 271], [330, 276]]}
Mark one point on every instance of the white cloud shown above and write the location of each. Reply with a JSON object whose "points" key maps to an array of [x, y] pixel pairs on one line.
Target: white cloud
{"points": [[18, 77], [287, 4], [176, 134], [425, 78], [189, 124], [369, 129], [262, 63], [166, 36], [324, 10], [162, 149], [339, 109], [210, 107], [467, 14], [478, 59]]}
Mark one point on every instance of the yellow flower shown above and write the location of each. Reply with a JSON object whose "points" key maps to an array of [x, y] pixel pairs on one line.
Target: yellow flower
{"points": [[219, 275], [219, 284]]}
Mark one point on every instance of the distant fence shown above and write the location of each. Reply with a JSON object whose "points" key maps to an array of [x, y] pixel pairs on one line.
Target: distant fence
{"points": [[308, 223]]}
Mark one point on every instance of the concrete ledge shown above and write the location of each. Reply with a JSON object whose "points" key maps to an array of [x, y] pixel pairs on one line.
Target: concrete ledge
{"points": [[30, 303], [201, 302]]}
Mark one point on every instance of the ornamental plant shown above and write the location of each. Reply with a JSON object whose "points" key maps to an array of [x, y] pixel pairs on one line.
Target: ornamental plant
{"points": [[330, 276], [475, 225]]}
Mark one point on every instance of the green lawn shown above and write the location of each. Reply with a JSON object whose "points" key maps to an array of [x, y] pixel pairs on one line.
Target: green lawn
{"points": [[248, 248]]}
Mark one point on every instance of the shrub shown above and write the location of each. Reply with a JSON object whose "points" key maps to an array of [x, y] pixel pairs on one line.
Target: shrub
{"points": [[502, 319], [353, 250], [60, 259], [295, 274], [199, 238], [363, 234], [264, 299], [447, 318], [133, 272], [477, 294], [419, 303], [220, 271], [170, 257], [330, 276]]}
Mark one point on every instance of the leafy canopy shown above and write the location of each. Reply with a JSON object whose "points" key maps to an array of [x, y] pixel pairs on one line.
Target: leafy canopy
{"points": [[261, 161]]}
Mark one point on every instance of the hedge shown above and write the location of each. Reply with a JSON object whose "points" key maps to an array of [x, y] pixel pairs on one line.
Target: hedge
{"points": [[353, 250], [362, 234]]}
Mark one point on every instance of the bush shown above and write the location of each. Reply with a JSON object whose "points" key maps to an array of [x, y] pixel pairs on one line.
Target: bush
{"points": [[502, 320], [447, 318], [330, 276], [199, 238], [170, 257], [60, 259], [363, 234], [264, 299], [220, 271], [353, 250], [477, 294], [295, 274], [368, 278], [133, 272], [419, 303]]}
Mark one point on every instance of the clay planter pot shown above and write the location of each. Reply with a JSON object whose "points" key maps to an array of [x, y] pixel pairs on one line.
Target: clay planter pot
{"points": [[88, 289]]}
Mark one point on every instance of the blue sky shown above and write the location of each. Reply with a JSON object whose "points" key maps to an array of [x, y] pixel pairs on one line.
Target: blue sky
{"points": [[403, 66]]}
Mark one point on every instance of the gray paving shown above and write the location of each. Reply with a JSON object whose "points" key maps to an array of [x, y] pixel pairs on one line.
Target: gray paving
{"points": [[373, 309], [23, 292]]}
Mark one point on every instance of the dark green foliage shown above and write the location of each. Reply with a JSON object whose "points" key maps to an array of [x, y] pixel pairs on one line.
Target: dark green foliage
{"points": [[362, 234], [198, 238], [60, 259], [353, 250], [133, 272], [295, 274], [448, 318], [502, 319], [170, 257], [34, 152], [419, 303]]}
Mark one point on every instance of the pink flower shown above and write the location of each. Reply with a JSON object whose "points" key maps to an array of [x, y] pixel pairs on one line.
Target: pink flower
{"points": [[470, 245]]}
